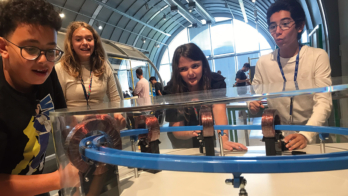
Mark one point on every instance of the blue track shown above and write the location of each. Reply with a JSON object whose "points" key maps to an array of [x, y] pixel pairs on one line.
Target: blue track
{"points": [[274, 164]]}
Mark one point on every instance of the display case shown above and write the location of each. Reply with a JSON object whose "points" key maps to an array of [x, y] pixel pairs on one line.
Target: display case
{"points": [[182, 144]]}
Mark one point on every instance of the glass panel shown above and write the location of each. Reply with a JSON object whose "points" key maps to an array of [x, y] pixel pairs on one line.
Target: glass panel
{"points": [[247, 38], [123, 72], [144, 66], [200, 36], [222, 36], [227, 68], [255, 92], [93, 145]]}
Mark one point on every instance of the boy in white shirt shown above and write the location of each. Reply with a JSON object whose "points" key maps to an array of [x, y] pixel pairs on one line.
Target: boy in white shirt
{"points": [[293, 62]]}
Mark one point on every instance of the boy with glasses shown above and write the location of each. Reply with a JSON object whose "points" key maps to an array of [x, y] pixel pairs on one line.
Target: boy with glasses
{"points": [[290, 63], [29, 90]]}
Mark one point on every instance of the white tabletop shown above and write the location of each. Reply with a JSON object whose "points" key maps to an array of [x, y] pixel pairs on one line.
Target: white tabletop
{"points": [[170, 183]]}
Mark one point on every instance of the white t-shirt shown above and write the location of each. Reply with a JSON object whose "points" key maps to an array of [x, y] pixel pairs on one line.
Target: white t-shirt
{"points": [[307, 109], [142, 88]]}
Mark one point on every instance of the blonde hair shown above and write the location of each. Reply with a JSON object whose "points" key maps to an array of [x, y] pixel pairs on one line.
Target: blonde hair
{"points": [[70, 60]]}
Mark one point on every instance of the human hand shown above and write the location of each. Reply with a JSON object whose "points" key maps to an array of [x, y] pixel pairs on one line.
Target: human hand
{"points": [[120, 121], [195, 133], [254, 107], [228, 145], [69, 176], [295, 141]]}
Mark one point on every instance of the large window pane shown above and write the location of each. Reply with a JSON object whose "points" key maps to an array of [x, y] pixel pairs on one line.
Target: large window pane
{"points": [[227, 68], [165, 57], [263, 42], [200, 36], [180, 38], [165, 72], [244, 59], [222, 36], [246, 37]]}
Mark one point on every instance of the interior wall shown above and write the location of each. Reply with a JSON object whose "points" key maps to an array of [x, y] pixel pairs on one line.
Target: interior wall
{"points": [[331, 12], [343, 16]]}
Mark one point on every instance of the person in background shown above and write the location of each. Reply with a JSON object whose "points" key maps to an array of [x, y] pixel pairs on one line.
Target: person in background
{"points": [[241, 78], [291, 62], [29, 91], [84, 73], [219, 72], [142, 88], [190, 73], [158, 86]]}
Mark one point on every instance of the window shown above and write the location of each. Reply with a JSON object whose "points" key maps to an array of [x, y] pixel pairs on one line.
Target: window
{"points": [[222, 38], [233, 41], [200, 36], [227, 67]]}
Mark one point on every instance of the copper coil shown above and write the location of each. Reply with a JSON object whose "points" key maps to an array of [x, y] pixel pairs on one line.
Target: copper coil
{"points": [[90, 126], [149, 122], [207, 121], [153, 126], [270, 118]]}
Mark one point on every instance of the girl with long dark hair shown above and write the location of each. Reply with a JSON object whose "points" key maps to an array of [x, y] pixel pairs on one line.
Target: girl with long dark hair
{"points": [[190, 73]]}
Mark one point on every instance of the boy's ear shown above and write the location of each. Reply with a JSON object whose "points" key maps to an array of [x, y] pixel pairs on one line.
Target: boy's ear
{"points": [[300, 27], [3, 48]]}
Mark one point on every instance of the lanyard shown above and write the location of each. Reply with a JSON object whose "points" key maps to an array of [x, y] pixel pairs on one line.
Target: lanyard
{"points": [[296, 66], [87, 95], [295, 78]]}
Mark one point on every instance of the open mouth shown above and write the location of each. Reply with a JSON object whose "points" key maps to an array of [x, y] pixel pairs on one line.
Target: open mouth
{"points": [[192, 79], [85, 49], [41, 71]]}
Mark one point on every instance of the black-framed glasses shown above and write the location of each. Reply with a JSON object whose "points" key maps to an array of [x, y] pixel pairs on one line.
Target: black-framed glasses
{"points": [[284, 25], [32, 53]]}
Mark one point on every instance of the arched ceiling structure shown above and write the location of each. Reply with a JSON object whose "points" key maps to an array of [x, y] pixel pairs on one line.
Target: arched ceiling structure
{"points": [[156, 21]]}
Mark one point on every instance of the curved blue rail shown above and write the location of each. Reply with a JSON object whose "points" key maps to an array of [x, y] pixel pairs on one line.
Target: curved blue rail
{"points": [[274, 164], [332, 130]]}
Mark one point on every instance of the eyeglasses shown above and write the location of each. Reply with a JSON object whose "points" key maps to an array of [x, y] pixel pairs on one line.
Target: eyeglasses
{"points": [[284, 25], [32, 53]]}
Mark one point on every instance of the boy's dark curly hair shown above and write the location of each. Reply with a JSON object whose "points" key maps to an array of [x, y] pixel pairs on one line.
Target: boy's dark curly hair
{"points": [[32, 12]]}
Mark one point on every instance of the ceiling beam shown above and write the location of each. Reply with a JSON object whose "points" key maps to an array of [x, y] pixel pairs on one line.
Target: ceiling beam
{"points": [[96, 12], [176, 5], [130, 17], [148, 21], [199, 7], [243, 11], [100, 21]]}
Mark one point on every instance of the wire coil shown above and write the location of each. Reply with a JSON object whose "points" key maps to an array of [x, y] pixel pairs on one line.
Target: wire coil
{"points": [[207, 121], [92, 125], [270, 118]]}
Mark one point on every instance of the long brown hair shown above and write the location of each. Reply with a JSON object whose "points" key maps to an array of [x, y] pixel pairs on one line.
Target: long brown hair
{"points": [[191, 51], [70, 60]]}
